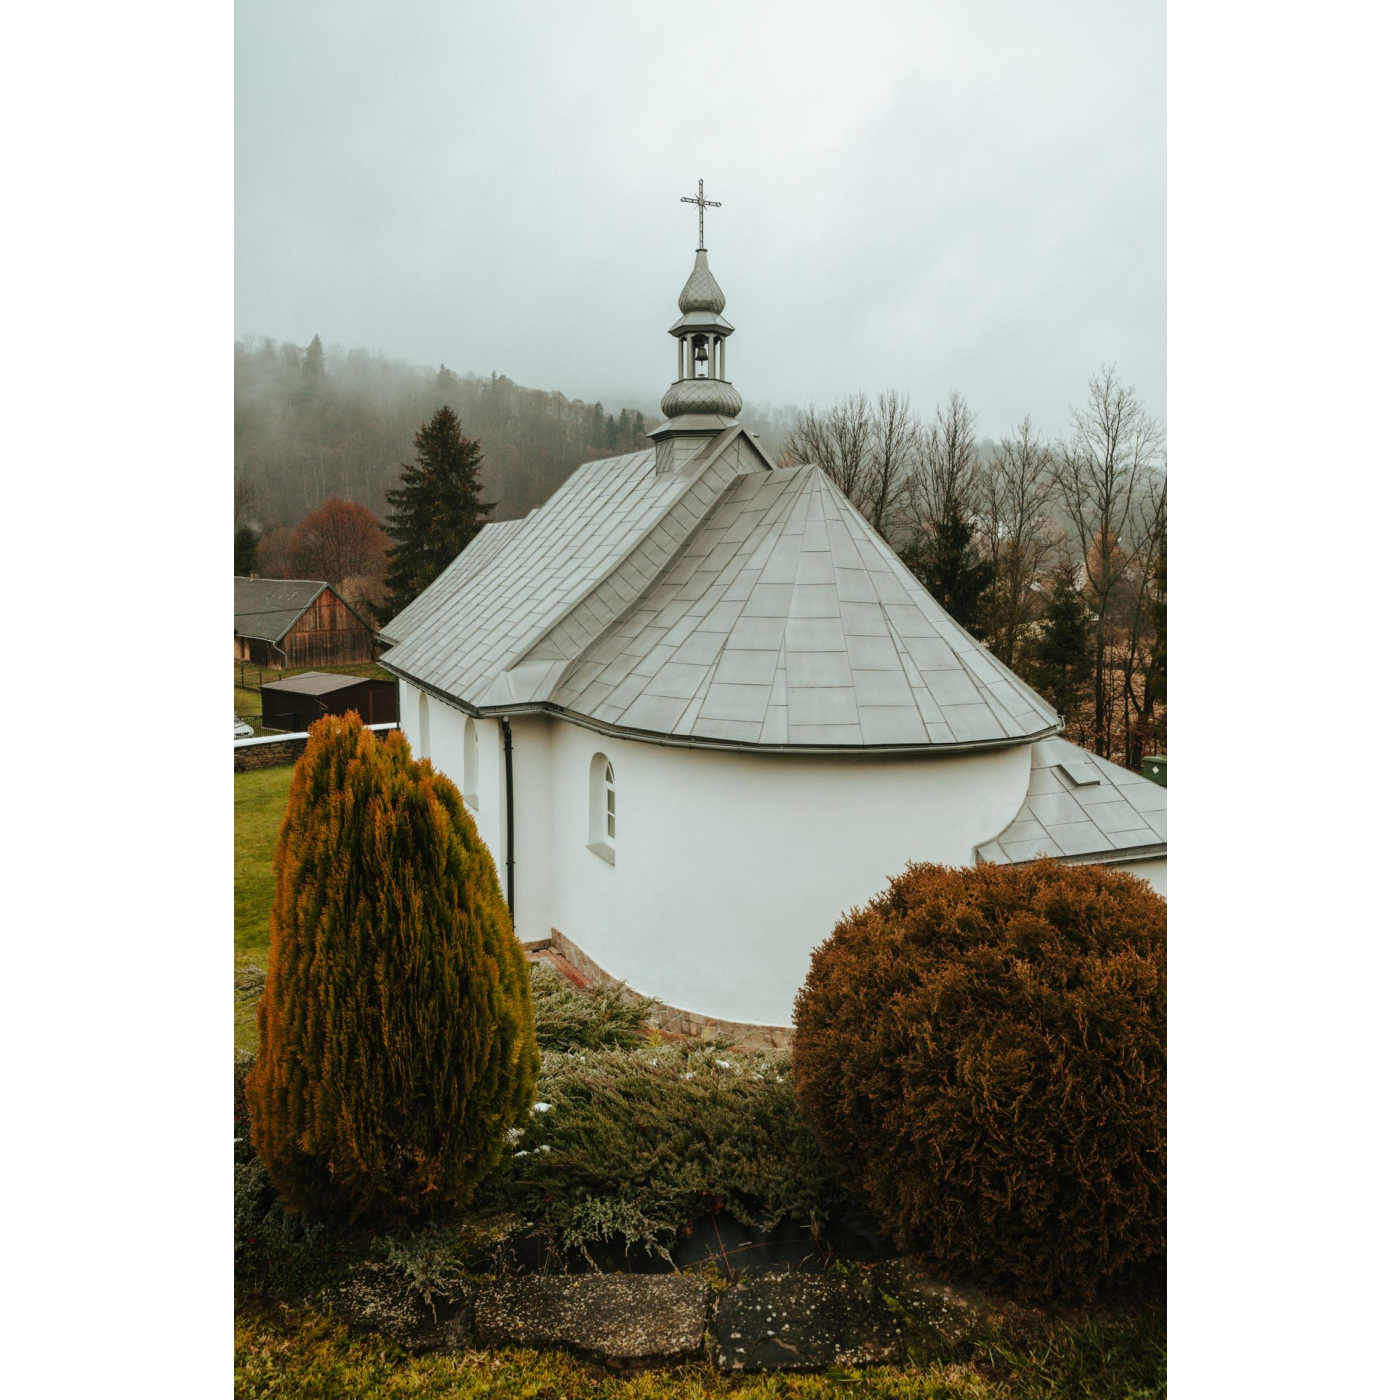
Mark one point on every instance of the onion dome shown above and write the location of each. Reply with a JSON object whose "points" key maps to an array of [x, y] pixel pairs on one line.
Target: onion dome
{"points": [[701, 292], [701, 396]]}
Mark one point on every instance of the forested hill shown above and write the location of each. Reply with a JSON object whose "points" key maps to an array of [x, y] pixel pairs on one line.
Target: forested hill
{"points": [[312, 423]]}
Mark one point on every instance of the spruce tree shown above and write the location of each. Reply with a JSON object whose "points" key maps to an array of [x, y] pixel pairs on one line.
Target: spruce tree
{"points": [[436, 510], [947, 562], [245, 551], [1061, 656], [396, 1033]]}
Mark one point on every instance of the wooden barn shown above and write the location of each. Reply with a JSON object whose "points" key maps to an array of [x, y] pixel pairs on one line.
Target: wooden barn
{"points": [[287, 623], [296, 702]]}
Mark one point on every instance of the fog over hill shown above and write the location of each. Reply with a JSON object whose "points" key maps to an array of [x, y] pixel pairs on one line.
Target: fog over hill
{"points": [[313, 422]]}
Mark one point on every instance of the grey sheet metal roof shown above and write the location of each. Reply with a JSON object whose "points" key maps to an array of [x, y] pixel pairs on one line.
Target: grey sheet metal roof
{"points": [[1082, 807], [317, 683], [724, 604], [786, 620], [485, 545], [267, 608]]}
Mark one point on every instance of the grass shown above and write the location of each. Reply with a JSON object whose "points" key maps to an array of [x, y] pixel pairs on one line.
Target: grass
{"points": [[296, 1353], [247, 700], [259, 800]]}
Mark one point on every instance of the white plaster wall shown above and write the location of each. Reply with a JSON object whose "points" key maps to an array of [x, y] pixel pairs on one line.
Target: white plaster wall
{"points": [[1153, 871], [532, 739], [444, 748], [732, 868]]}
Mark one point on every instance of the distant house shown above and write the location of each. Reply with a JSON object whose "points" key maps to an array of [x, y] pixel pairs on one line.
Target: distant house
{"points": [[298, 701], [280, 622]]}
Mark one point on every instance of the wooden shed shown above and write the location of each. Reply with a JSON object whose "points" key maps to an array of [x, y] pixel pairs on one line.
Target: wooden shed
{"points": [[286, 623], [294, 703]]}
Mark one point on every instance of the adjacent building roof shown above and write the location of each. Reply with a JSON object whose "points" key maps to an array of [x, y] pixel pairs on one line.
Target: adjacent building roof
{"points": [[267, 608], [725, 604], [319, 683], [1082, 807]]}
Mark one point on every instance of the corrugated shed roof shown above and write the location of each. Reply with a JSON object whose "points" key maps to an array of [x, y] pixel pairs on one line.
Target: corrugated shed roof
{"points": [[719, 604], [267, 608], [1081, 806]]}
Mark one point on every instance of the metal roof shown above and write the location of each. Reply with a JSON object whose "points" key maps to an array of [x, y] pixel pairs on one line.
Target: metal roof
{"points": [[1082, 807], [701, 292], [485, 545], [267, 608], [317, 683], [723, 604]]}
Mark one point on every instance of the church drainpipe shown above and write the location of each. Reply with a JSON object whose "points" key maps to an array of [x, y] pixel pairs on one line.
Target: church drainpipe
{"points": [[510, 820]]}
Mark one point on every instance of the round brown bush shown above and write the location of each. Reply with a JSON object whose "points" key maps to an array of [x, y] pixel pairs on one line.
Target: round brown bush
{"points": [[982, 1053]]}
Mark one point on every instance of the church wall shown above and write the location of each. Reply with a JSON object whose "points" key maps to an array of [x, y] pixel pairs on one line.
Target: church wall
{"points": [[532, 740], [445, 748], [730, 868], [1153, 871]]}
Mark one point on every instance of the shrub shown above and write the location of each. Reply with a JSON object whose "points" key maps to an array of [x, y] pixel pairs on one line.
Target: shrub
{"points": [[982, 1053], [395, 1037], [635, 1144], [583, 1018]]}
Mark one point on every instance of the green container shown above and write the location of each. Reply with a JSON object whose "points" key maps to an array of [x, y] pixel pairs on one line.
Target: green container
{"points": [[1154, 766]]}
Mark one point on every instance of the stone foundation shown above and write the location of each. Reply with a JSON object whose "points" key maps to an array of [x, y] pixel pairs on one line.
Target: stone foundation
{"points": [[673, 1020], [271, 749]]}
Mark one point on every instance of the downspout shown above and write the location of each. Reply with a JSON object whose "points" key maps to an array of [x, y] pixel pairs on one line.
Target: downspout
{"points": [[510, 821]]}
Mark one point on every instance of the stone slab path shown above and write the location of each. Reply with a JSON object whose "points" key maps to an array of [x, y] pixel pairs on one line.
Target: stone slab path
{"points": [[770, 1322]]}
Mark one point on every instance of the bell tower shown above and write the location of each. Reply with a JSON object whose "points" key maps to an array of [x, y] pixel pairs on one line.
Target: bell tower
{"points": [[701, 403]]}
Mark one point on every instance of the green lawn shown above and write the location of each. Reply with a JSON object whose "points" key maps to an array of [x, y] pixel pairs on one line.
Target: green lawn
{"points": [[259, 800]]}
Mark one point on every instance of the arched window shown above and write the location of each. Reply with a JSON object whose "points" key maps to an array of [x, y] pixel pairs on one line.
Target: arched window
{"points": [[602, 809], [469, 763], [422, 725]]}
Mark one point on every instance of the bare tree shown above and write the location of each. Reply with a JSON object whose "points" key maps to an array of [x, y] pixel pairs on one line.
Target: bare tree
{"points": [[947, 475], [1017, 491], [1101, 475], [1144, 647], [839, 442], [893, 447]]}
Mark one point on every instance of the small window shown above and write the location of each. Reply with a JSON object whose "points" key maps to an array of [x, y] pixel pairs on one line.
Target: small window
{"points": [[602, 809], [422, 725], [469, 760]]}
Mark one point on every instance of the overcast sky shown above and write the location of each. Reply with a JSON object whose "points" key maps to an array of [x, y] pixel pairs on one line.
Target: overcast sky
{"points": [[925, 196]]}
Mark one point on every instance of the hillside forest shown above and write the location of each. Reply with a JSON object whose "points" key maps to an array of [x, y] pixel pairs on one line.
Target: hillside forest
{"points": [[1051, 551]]}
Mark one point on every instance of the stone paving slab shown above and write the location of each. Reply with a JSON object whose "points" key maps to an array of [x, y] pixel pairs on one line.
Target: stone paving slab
{"points": [[798, 1322], [621, 1317]]}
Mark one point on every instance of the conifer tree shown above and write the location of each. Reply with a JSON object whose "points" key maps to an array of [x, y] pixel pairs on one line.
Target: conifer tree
{"points": [[1061, 656], [245, 550], [947, 562], [396, 1033], [436, 510]]}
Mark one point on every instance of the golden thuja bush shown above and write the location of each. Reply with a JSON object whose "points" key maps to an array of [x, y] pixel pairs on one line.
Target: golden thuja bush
{"points": [[982, 1053], [395, 1035]]}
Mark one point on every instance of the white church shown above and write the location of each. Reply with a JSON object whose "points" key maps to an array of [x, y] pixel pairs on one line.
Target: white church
{"points": [[698, 710]]}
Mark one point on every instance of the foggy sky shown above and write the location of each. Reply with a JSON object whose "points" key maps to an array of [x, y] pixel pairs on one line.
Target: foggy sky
{"points": [[922, 196]]}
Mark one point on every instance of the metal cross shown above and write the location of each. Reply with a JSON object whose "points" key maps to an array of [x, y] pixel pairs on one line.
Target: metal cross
{"points": [[704, 204]]}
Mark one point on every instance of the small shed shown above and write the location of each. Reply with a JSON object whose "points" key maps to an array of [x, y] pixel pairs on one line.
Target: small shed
{"points": [[290, 622], [293, 704]]}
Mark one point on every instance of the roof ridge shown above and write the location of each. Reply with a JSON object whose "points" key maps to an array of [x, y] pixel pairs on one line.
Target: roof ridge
{"points": [[676, 552]]}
